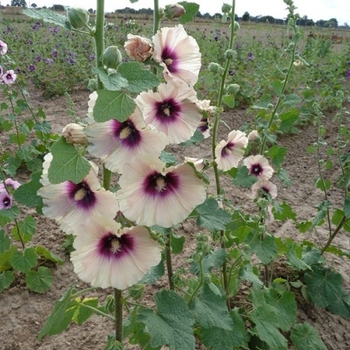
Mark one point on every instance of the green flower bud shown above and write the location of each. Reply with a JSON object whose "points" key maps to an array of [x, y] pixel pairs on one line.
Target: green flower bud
{"points": [[174, 11], [213, 67], [232, 88], [226, 8], [111, 57], [230, 54], [78, 18], [92, 85], [237, 26]]}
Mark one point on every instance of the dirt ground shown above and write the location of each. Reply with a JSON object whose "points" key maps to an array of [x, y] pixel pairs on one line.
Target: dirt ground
{"points": [[23, 314]]}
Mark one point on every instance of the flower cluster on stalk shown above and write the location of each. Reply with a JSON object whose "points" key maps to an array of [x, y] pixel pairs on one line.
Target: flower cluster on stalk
{"points": [[7, 77]]}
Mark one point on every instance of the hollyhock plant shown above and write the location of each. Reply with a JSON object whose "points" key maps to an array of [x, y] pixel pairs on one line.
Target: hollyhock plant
{"points": [[5, 200], [9, 77], [139, 48], [172, 110], [259, 166], [229, 153], [117, 143], [178, 53], [263, 188], [151, 194], [9, 183], [3, 48], [107, 256], [72, 204]]}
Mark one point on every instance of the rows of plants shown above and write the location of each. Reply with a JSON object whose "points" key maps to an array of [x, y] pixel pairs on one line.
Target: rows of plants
{"points": [[154, 87]]}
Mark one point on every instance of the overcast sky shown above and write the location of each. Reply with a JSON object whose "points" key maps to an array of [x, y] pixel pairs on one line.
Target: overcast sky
{"points": [[315, 9]]}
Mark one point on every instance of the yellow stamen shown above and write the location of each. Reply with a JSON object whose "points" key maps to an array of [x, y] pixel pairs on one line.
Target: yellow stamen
{"points": [[115, 245], [168, 61], [160, 184], [125, 133], [80, 194]]}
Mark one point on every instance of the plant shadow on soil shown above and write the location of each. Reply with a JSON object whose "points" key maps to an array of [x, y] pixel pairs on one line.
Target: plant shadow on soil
{"points": [[23, 313]]}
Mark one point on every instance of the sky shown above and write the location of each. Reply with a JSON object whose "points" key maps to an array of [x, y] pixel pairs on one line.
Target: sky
{"points": [[314, 9]]}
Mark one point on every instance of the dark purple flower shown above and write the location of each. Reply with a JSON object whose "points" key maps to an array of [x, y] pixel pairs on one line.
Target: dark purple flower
{"points": [[56, 30], [48, 60], [231, 72], [70, 60], [92, 56], [250, 56], [348, 74], [38, 58], [116, 28], [54, 53], [31, 68]]}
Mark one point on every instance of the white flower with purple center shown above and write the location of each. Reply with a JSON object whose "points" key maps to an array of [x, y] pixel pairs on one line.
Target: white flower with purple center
{"points": [[72, 205], [5, 200], [9, 77], [3, 48], [259, 166], [106, 256], [172, 110], [229, 153], [118, 143], [151, 194], [178, 53], [263, 188]]}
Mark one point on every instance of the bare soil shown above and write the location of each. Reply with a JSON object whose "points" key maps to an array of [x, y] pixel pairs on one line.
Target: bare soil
{"points": [[23, 313]]}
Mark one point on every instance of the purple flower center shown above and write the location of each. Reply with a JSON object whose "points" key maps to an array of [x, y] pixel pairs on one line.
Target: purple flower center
{"points": [[159, 185], [82, 194], [6, 202], [256, 169], [167, 110], [169, 57], [227, 150], [112, 246], [127, 133], [203, 125]]}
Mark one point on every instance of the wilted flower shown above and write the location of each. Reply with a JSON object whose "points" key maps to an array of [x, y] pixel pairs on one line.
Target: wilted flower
{"points": [[264, 188], [259, 166], [178, 53], [107, 256], [3, 48], [74, 133], [253, 135], [174, 11], [229, 153], [9, 77], [171, 110], [139, 48], [151, 194]]}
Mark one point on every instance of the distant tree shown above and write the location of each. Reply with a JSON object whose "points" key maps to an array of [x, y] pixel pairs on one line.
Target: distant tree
{"points": [[246, 16], [333, 23], [91, 10], [19, 3], [34, 5], [58, 8]]}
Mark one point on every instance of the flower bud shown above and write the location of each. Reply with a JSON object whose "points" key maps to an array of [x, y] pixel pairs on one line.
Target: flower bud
{"points": [[253, 135], [174, 11], [226, 8], [111, 57], [138, 47], [74, 133], [232, 88], [197, 162], [92, 85], [213, 67], [230, 54], [78, 17], [237, 26]]}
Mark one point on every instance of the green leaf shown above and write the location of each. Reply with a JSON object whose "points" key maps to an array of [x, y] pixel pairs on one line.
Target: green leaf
{"points": [[24, 230], [304, 226], [277, 155], [168, 158], [321, 213], [113, 105], [294, 255], [60, 316], [323, 285], [194, 140], [304, 336], [247, 273], [340, 305], [83, 313], [138, 79], [7, 215], [210, 309], [46, 254], [265, 249], [288, 119], [277, 86], [292, 100], [229, 100], [5, 242], [191, 11], [39, 281], [283, 176], [283, 212], [26, 194], [347, 207], [111, 81], [211, 217], [241, 177], [47, 16], [177, 244], [113, 344], [5, 258], [154, 274], [213, 260], [67, 163], [172, 323], [322, 184], [222, 339], [6, 278], [25, 261]]}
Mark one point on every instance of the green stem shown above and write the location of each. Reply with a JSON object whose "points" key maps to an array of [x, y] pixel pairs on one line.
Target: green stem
{"points": [[332, 236], [99, 37], [19, 234], [169, 264], [97, 311], [118, 301], [200, 282], [156, 16]]}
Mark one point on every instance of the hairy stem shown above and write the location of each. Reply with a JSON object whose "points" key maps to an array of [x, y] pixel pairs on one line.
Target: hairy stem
{"points": [[118, 301], [169, 264], [332, 236]]}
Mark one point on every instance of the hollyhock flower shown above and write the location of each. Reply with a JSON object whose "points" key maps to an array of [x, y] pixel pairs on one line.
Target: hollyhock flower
{"points": [[74, 133], [3, 48], [171, 110], [151, 194], [107, 256], [118, 143], [9, 183], [9, 77], [229, 153], [264, 187], [72, 205], [197, 162], [259, 166], [253, 135], [139, 48], [5, 200], [178, 53]]}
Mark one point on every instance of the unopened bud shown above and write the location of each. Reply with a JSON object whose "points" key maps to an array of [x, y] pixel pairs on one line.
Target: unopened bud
{"points": [[174, 11], [92, 85], [232, 88], [237, 26], [214, 67], [78, 17], [230, 54], [111, 57], [226, 8], [74, 133]]}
